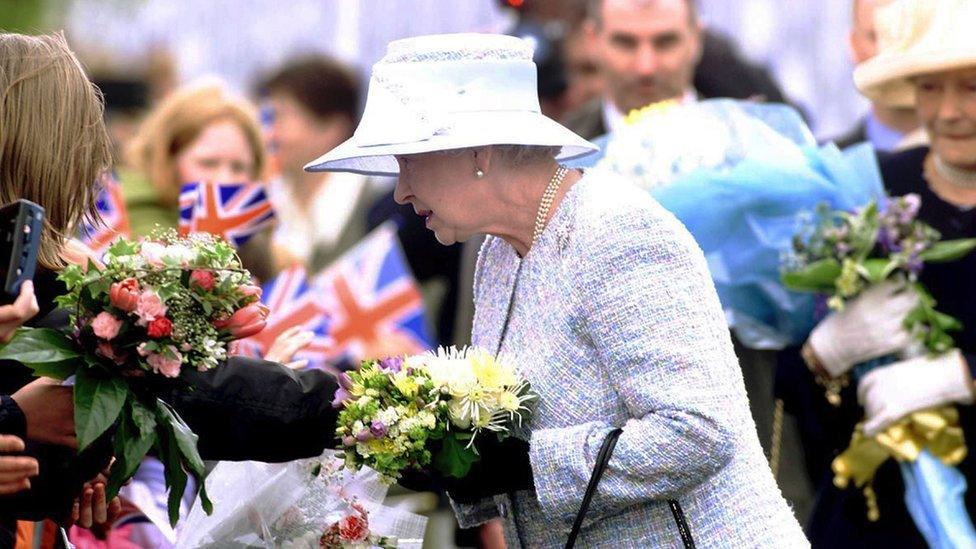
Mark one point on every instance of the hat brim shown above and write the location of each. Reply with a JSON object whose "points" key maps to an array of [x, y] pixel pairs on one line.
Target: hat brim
{"points": [[886, 78], [467, 130]]}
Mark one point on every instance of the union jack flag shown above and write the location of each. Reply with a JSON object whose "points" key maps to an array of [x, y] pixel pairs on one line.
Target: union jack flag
{"points": [[234, 211], [292, 301], [375, 308], [114, 218]]}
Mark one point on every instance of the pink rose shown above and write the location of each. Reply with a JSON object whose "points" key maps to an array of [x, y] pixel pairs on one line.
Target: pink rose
{"points": [[124, 295], [169, 367], [106, 326], [149, 308], [202, 279]]}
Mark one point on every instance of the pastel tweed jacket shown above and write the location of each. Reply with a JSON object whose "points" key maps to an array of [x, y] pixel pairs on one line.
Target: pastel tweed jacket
{"points": [[616, 323]]}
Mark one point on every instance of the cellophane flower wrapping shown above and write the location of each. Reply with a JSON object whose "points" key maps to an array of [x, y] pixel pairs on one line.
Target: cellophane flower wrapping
{"points": [[737, 174], [302, 504], [428, 410]]}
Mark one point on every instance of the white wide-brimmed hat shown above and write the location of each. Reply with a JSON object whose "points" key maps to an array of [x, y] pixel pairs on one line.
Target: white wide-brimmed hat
{"points": [[916, 37], [449, 91]]}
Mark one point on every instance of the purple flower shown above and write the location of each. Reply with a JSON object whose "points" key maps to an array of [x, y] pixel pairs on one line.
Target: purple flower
{"points": [[345, 381], [348, 441], [915, 265], [341, 396], [364, 435], [378, 429], [391, 364]]}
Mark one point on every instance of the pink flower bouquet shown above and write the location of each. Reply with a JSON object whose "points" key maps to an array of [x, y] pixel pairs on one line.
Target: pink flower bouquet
{"points": [[155, 308]]}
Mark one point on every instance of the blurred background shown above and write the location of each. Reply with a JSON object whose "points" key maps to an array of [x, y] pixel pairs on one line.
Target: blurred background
{"points": [[169, 42]]}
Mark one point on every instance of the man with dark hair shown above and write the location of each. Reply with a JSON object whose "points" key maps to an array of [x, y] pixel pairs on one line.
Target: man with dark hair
{"points": [[654, 50], [313, 105]]}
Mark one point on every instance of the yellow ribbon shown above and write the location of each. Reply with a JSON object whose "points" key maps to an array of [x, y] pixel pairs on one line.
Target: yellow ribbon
{"points": [[936, 430]]}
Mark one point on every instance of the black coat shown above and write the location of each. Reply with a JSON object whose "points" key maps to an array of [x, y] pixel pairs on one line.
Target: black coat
{"points": [[245, 409], [839, 518]]}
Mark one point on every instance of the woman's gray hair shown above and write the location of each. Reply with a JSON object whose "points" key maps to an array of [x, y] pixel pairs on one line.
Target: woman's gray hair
{"points": [[516, 155]]}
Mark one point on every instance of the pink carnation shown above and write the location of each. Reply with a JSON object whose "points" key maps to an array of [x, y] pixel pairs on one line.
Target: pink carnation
{"points": [[169, 367], [149, 308], [353, 528], [106, 325]]}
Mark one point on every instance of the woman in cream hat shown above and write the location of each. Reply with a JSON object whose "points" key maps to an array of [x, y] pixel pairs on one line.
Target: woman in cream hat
{"points": [[592, 290], [927, 61]]}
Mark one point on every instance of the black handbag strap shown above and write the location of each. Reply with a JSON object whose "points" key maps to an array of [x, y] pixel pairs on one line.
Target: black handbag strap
{"points": [[602, 460]]}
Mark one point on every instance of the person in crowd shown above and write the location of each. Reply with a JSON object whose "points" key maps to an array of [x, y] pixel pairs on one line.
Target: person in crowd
{"points": [[314, 106], [596, 294], [927, 63], [246, 409], [585, 82], [886, 128], [47, 136], [198, 133], [655, 50]]}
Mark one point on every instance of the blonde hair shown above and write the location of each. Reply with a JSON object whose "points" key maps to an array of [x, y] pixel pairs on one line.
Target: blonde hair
{"points": [[53, 142], [177, 122]]}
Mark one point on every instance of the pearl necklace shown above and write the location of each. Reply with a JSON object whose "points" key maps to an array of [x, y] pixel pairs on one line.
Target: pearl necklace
{"points": [[965, 179], [546, 204]]}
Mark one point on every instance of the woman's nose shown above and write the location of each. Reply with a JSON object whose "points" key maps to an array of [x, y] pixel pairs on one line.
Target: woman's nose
{"points": [[400, 193]]}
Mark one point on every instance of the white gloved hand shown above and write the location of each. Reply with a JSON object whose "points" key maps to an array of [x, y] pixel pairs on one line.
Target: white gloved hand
{"points": [[870, 326], [891, 392]]}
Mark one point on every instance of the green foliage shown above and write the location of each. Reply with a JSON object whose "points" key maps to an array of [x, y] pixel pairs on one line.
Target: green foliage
{"points": [[98, 400]]}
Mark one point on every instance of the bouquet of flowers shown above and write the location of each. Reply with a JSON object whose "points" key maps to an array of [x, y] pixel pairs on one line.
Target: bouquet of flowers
{"points": [[304, 504], [840, 253], [408, 413], [154, 308]]}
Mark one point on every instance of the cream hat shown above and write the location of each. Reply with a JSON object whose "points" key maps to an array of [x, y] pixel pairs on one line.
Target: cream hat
{"points": [[916, 37], [451, 91]]}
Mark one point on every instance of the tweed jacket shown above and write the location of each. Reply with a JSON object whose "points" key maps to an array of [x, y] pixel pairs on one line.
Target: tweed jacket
{"points": [[616, 323]]}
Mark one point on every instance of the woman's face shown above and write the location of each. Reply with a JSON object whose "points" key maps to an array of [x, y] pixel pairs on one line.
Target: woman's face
{"points": [[946, 105], [441, 188], [220, 153]]}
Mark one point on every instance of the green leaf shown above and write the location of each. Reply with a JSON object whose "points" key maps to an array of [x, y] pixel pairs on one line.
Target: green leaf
{"points": [[454, 458], [173, 471], [98, 402], [818, 276], [182, 446], [948, 250], [185, 439], [48, 352], [877, 270], [132, 443]]}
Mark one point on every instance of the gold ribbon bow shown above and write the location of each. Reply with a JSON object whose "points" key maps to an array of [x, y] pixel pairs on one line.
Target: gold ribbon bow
{"points": [[935, 429]]}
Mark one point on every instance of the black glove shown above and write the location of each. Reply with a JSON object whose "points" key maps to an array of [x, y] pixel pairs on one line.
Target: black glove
{"points": [[504, 468]]}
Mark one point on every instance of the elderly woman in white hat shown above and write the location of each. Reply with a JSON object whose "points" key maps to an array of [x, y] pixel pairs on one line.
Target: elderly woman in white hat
{"points": [[592, 290], [927, 62]]}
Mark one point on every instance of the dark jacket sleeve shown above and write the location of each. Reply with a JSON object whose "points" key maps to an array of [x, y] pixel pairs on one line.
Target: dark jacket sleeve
{"points": [[12, 420], [249, 409]]}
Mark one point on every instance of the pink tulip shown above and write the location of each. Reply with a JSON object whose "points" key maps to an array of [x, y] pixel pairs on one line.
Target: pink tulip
{"points": [[245, 321], [124, 295]]}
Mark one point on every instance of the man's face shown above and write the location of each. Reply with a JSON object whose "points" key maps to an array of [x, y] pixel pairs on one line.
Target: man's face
{"points": [[864, 40], [648, 50]]}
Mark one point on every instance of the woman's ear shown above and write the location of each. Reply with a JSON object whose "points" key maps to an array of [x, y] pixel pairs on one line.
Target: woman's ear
{"points": [[482, 160]]}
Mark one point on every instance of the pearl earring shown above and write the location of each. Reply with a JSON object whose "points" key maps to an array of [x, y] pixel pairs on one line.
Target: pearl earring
{"points": [[479, 174]]}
